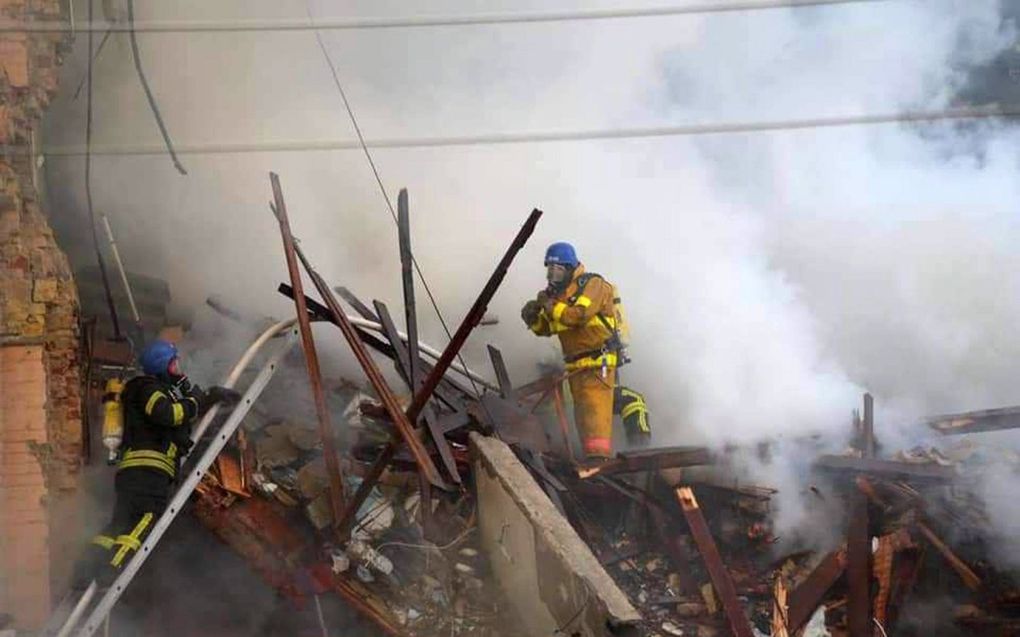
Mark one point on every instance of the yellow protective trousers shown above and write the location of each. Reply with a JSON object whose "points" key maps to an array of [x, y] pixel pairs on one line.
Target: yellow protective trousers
{"points": [[593, 410]]}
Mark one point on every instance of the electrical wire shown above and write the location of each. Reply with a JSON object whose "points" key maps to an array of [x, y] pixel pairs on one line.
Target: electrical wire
{"points": [[95, 58], [386, 196], [494, 139], [145, 85], [339, 24], [88, 190]]}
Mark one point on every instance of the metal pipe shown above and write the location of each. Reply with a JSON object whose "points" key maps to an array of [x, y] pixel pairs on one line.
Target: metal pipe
{"points": [[120, 267]]}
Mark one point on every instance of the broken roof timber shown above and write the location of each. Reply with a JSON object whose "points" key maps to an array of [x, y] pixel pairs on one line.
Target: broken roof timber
{"points": [[805, 599], [976, 421], [720, 576], [650, 460], [885, 468]]}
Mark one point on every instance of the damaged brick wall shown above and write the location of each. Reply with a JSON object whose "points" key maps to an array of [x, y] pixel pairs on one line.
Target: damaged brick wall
{"points": [[40, 381]]}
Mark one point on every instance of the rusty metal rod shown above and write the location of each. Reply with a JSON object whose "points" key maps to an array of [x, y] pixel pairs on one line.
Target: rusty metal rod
{"points": [[336, 485]]}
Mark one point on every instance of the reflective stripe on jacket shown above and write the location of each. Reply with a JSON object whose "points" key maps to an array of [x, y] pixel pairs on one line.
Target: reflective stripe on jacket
{"points": [[578, 324], [157, 421]]}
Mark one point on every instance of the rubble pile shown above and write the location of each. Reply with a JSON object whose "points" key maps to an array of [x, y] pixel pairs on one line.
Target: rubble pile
{"points": [[428, 584]]}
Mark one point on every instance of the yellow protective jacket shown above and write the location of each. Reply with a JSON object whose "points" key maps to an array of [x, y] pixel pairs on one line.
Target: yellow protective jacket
{"points": [[583, 319]]}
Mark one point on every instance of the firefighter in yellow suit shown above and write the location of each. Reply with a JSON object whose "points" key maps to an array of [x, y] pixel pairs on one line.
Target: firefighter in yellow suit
{"points": [[581, 309]]}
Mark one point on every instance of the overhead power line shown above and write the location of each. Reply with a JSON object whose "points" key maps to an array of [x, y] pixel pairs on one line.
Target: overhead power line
{"points": [[337, 24], [682, 130]]}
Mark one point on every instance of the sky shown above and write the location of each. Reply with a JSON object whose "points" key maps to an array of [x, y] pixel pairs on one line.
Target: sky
{"points": [[769, 278]]}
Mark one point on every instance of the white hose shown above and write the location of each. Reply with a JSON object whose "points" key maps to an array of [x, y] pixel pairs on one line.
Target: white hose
{"points": [[277, 328]]}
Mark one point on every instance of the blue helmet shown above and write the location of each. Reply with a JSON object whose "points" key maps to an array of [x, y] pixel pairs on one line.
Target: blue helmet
{"points": [[561, 253], [156, 357]]}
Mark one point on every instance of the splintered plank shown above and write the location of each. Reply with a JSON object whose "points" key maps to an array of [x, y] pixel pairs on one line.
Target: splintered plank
{"points": [[805, 599], [721, 580]]}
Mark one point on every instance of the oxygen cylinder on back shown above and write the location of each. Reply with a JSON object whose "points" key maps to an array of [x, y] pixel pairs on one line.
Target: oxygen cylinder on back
{"points": [[113, 419]]}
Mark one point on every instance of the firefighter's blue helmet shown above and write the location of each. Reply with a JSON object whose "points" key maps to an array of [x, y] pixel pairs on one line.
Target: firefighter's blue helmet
{"points": [[156, 357], [561, 253]]}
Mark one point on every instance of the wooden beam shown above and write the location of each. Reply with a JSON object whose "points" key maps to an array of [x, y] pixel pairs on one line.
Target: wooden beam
{"points": [[976, 421], [650, 460], [858, 569], [805, 599], [404, 366], [335, 476], [721, 580], [886, 468]]}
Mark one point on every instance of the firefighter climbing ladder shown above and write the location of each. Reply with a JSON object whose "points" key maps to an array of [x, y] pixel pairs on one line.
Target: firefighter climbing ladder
{"points": [[103, 607]]}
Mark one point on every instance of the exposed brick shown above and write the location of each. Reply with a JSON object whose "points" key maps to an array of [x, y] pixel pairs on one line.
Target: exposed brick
{"points": [[38, 300], [14, 60], [24, 479], [36, 514]]}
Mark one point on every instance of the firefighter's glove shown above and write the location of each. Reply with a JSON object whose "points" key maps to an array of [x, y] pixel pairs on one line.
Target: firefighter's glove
{"points": [[545, 302], [529, 313], [223, 395]]}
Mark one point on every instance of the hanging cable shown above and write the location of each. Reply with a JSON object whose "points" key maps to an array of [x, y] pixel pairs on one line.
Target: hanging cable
{"points": [[386, 196], [95, 58], [88, 189], [145, 85], [956, 114]]}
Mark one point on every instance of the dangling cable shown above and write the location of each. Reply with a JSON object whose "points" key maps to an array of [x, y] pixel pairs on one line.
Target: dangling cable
{"points": [[145, 85], [386, 196], [88, 188]]}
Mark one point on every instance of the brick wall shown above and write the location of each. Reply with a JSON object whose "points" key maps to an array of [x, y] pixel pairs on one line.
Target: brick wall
{"points": [[40, 383], [24, 524]]}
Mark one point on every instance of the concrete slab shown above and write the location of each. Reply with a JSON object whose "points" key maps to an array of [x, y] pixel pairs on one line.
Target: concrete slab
{"points": [[555, 583]]}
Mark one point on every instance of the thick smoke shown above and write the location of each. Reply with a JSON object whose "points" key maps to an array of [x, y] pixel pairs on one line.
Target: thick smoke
{"points": [[769, 278]]}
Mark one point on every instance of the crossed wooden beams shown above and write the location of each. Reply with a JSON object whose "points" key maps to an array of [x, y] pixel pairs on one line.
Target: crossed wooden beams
{"points": [[423, 382]]}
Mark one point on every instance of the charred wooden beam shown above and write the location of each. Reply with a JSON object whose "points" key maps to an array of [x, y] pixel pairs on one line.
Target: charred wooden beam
{"points": [[805, 599], [966, 573], [858, 568], [650, 460], [970, 579], [506, 389], [976, 421], [868, 426], [355, 302], [405, 365], [721, 580], [447, 391], [885, 468], [336, 484]]}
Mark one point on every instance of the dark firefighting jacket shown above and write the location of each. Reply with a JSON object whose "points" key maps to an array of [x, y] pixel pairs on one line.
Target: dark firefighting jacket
{"points": [[157, 423]]}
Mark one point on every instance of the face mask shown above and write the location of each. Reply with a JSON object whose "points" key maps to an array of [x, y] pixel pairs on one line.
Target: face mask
{"points": [[556, 274]]}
